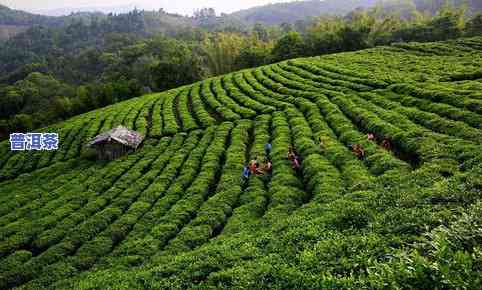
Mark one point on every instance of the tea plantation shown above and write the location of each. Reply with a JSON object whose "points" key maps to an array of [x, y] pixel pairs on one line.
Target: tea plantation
{"points": [[177, 215]]}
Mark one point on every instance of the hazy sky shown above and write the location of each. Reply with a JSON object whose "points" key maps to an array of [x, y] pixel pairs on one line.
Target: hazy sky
{"points": [[178, 6]]}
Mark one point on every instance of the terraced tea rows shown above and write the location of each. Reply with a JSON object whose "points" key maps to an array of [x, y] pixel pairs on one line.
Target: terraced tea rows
{"points": [[178, 214]]}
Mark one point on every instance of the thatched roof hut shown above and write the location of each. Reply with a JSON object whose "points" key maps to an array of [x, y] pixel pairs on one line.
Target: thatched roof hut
{"points": [[116, 142]]}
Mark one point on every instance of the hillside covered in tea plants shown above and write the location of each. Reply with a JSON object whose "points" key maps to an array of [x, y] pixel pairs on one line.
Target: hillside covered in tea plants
{"points": [[177, 215]]}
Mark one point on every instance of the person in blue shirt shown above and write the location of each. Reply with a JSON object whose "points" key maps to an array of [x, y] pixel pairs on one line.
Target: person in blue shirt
{"points": [[246, 172], [267, 149]]}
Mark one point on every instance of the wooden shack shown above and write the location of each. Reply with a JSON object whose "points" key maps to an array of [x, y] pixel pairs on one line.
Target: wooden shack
{"points": [[116, 143]]}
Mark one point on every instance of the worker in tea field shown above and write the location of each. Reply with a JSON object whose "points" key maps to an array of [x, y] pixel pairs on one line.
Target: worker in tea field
{"points": [[359, 151], [246, 172], [291, 153], [253, 165], [371, 137], [387, 144], [267, 148], [267, 167], [296, 163]]}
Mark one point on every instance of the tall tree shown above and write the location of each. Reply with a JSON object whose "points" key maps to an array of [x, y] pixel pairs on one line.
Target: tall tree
{"points": [[289, 46]]}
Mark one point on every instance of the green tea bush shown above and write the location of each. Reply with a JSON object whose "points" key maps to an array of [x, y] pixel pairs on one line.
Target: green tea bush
{"points": [[178, 213]]}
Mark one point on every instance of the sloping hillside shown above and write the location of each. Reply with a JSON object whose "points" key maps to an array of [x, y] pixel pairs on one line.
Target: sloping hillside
{"points": [[290, 12], [14, 22], [17, 17], [177, 214]]}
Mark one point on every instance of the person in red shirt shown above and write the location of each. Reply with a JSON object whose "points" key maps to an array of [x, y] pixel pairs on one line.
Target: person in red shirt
{"points": [[253, 166]]}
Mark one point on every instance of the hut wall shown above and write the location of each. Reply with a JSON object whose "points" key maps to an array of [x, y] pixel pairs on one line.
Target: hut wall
{"points": [[111, 150]]}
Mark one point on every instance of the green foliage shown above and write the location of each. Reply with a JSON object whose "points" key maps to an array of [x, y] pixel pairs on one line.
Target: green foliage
{"points": [[289, 46], [178, 213], [474, 26]]}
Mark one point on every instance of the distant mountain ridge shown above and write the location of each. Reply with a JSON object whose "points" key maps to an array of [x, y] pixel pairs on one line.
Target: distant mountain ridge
{"points": [[290, 12], [270, 14], [14, 21], [10, 16], [64, 11]]}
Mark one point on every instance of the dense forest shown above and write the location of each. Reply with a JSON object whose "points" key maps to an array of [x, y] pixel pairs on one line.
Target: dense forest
{"points": [[58, 68]]}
